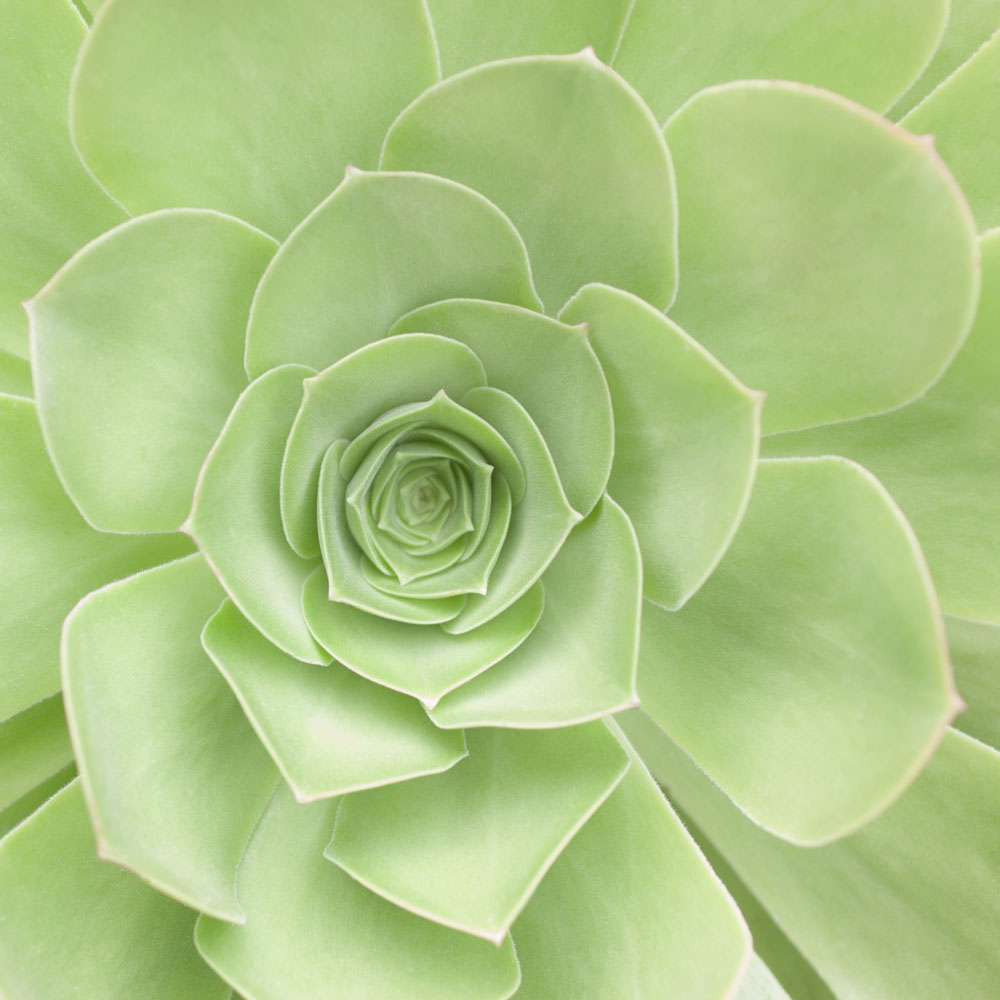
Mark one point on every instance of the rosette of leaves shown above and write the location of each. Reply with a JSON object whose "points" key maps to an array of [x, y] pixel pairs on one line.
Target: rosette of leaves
{"points": [[377, 437]]}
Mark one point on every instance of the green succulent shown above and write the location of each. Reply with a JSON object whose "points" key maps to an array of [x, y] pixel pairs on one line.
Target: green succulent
{"points": [[436, 430]]}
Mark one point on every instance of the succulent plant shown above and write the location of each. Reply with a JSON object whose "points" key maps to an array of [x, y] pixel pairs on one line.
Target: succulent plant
{"points": [[472, 477]]}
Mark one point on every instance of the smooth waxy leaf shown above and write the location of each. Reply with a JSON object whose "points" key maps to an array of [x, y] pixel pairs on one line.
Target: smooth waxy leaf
{"points": [[686, 435], [566, 148], [51, 558], [550, 369], [758, 983], [961, 115], [34, 745], [904, 909], [71, 925], [199, 104], [19, 811], [312, 931], [432, 845], [630, 908], [975, 654], [345, 398], [420, 660], [864, 274], [328, 730], [381, 245], [821, 628], [580, 661], [161, 742], [236, 520], [867, 50], [937, 459], [51, 205], [137, 350], [15, 375]]}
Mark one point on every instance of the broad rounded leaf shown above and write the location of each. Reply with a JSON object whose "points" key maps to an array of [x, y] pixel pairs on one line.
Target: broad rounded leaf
{"points": [[34, 745], [828, 257]]}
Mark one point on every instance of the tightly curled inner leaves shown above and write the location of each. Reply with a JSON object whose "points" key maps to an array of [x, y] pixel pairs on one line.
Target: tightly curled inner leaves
{"points": [[346, 521]]}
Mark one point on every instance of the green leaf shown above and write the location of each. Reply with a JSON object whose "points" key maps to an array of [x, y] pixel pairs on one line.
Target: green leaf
{"points": [[174, 776], [961, 114], [71, 925], [381, 245], [345, 398], [200, 104], [472, 33], [51, 204], [568, 150], [632, 909], [809, 676], [15, 375], [328, 730], [904, 909], [19, 811], [34, 745], [137, 348], [468, 847], [522, 352], [937, 458], [580, 661], [312, 931], [759, 983], [236, 521], [975, 654], [686, 438], [868, 50], [50, 557], [864, 274]]}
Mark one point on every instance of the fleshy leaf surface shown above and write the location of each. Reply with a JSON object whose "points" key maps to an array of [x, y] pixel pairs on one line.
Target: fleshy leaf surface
{"points": [[15, 375], [200, 104], [467, 847], [686, 436], [568, 150], [975, 655], [137, 347], [381, 245], [864, 271], [34, 745], [630, 908], [580, 661], [809, 676], [161, 742], [311, 929], [759, 983], [72, 925]]}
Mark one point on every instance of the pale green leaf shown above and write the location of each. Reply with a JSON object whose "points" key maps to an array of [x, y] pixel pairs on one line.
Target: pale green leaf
{"points": [[975, 654], [312, 932], [15, 375], [381, 245], [759, 983], [246, 108], [137, 349], [568, 150], [17, 812], [828, 257], [174, 776], [34, 745], [74, 926], [809, 676], [467, 848]]}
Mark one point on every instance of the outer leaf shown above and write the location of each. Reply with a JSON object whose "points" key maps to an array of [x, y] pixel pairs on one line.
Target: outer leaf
{"points": [[686, 439], [137, 349], [51, 205], [328, 730], [568, 150], [864, 274], [34, 745], [379, 246], [867, 50], [580, 661], [312, 931], [199, 104], [905, 909], [809, 676], [551, 370], [71, 925], [975, 653], [435, 846], [50, 558], [936, 457], [160, 740], [236, 521], [631, 909]]}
